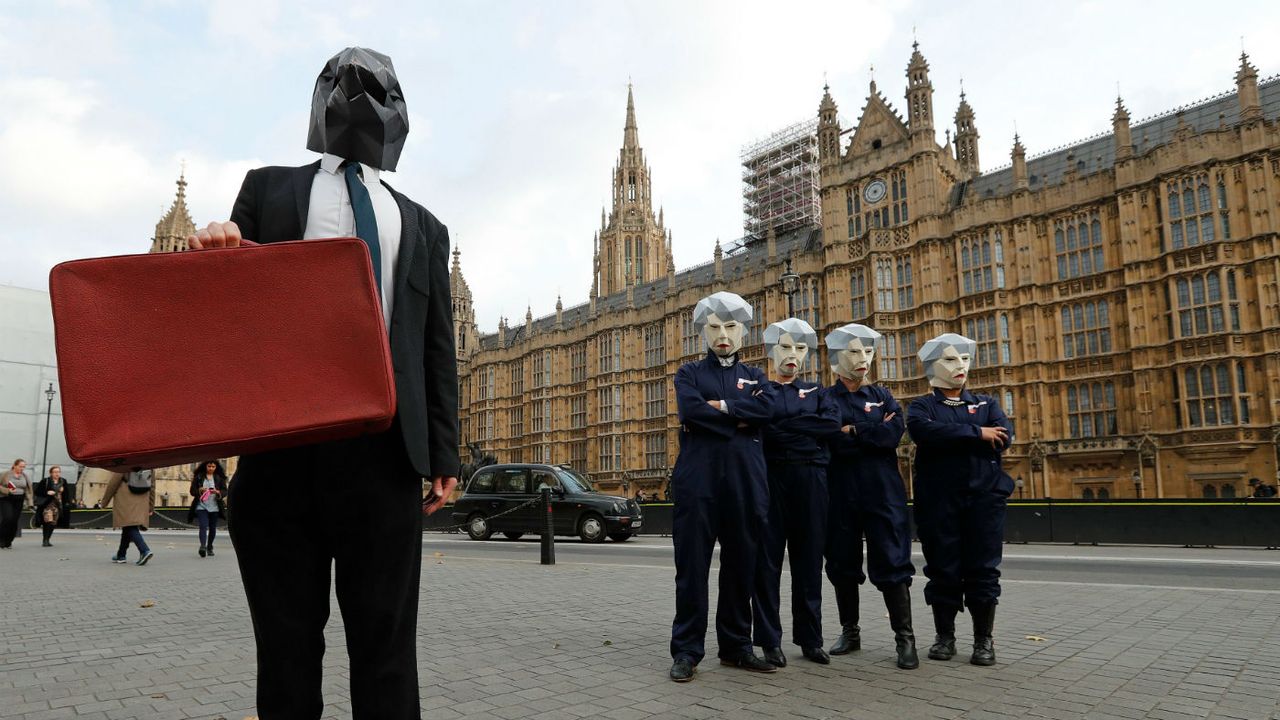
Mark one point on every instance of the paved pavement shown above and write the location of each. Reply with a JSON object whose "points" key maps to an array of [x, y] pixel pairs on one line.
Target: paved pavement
{"points": [[1082, 633]]}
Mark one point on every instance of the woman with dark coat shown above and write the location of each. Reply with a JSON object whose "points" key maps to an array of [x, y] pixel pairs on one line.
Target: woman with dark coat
{"points": [[208, 487], [48, 501]]}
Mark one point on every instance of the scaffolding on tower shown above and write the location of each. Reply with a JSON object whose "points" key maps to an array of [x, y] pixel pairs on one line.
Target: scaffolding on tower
{"points": [[780, 184]]}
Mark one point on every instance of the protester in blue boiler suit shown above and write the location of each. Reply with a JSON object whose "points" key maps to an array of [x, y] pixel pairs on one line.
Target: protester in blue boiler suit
{"points": [[868, 496], [719, 488], [796, 455], [960, 495]]}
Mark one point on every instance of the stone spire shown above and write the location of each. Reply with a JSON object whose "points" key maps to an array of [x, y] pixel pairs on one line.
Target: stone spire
{"points": [[559, 311], [1247, 90], [466, 338], [828, 128], [919, 93], [966, 136], [1120, 131], [629, 250], [1019, 157], [719, 261], [630, 133], [173, 229]]}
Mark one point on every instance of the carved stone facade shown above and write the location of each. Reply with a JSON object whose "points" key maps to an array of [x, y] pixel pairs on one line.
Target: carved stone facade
{"points": [[1124, 292]]}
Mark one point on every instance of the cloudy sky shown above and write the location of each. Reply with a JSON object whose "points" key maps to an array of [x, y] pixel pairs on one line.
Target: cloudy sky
{"points": [[517, 108]]}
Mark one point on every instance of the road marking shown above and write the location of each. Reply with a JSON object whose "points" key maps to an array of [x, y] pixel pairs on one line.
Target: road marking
{"points": [[916, 553]]}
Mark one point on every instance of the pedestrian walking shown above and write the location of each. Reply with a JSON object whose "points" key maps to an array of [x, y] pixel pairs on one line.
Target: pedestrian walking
{"points": [[961, 494], [47, 502], [15, 486], [134, 496], [868, 496], [796, 455], [721, 490], [208, 487]]}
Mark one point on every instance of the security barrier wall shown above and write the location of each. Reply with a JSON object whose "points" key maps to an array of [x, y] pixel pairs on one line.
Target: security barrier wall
{"points": [[1227, 522]]}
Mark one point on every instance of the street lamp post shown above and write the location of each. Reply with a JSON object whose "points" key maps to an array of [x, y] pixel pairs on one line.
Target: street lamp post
{"points": [[48, 416], [1018, 484], [790, 283], [1137, 484]]}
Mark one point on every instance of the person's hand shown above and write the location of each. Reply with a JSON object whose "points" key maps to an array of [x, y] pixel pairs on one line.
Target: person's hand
{"points": [[998, 437], [49, 493], [714, 403], [441, 487], [847, 429], [890, 416], [216, 235]]}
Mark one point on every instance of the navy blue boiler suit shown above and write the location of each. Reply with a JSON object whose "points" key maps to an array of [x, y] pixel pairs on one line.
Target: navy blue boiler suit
{"points": [[720, 493], [796, 455], [868, 496], [960, 497]]}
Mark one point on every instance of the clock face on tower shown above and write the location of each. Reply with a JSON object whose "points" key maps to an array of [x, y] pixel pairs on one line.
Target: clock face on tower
{"points": [[874, 191]]}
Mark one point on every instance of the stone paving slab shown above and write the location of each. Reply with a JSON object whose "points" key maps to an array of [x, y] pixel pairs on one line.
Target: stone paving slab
{"points": [[511, 639]]}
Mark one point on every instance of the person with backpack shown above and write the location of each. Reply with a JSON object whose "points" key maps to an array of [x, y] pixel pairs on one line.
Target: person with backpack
{"points": [[131, 511], [208, 487]]}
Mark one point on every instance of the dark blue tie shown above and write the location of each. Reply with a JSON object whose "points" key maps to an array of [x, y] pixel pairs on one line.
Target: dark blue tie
{"points": [[366, 222]]}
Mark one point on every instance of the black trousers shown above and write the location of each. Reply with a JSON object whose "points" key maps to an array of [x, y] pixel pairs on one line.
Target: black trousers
{"points": [[10, 509], [368, 500]]}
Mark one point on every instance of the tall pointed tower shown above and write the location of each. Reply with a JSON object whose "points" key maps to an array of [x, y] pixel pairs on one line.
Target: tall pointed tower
{"points": [[176, 225], [919, 95], [828, 128], [466, 339], [966, 137], [632, 246]]}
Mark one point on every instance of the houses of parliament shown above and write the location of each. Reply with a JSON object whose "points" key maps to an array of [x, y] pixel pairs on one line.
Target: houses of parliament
{"points": [[1124, 293]]}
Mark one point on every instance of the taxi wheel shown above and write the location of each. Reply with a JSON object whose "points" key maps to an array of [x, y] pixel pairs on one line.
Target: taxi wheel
{"points": [[591, 528], [620, 537], [478, 527]]}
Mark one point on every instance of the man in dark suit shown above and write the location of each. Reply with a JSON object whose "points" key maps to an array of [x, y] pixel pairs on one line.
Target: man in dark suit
{"points": [[354, 505]]}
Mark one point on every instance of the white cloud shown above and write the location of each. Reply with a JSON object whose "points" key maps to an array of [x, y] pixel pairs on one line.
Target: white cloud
{"points": [[517, 108]]}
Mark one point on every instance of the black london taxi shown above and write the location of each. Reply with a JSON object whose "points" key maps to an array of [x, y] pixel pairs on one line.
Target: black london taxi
{"points": [[496, 500]]}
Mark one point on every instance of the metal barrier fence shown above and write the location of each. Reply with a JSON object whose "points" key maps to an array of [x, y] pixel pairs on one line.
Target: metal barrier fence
{"points": [[1227, 522]]}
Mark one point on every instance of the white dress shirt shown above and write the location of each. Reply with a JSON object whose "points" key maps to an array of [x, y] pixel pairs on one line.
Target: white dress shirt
{"points": [[329, 215]]}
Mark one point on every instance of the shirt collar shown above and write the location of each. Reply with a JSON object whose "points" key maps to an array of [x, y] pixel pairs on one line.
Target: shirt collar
{"points": [[965, 398], [331, 164]]}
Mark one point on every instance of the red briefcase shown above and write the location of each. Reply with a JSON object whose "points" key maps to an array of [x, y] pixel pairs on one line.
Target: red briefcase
{"points": [[175, 358]]}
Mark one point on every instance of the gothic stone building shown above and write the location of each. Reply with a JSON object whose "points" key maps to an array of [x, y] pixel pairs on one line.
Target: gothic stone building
{"points": [[1124, 293]]}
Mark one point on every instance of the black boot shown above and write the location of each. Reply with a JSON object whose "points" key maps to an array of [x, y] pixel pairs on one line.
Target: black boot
{"points": [[944, 624], [984, 620], [897, 599], [774, 656], [850, 639]]}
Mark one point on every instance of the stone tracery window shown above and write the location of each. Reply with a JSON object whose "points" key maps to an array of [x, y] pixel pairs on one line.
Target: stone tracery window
{"points": [[1086, 329], [1203, 307], [1091, 409], [1077, 243], [982, 262], [1190, 211]]}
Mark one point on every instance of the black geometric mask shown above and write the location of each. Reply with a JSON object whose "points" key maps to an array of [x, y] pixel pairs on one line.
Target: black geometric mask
{"points": [[357, 110]]}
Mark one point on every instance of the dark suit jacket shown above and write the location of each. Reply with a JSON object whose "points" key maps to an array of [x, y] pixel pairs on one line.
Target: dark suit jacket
{"points": [[272, 207]]}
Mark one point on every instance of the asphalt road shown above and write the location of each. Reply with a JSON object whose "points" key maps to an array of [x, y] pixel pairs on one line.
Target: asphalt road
{"points": [[1114, 566]]}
